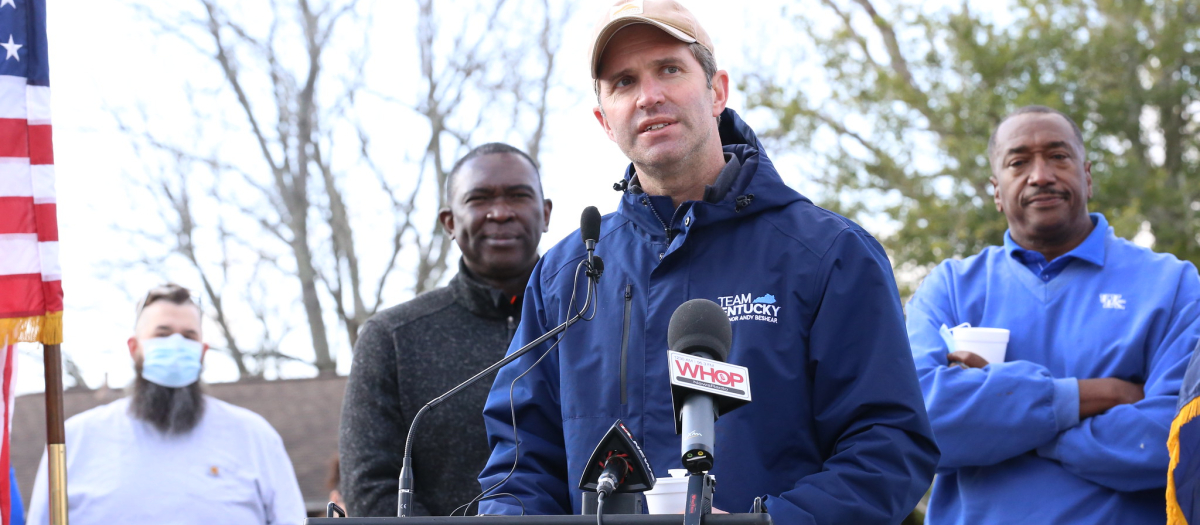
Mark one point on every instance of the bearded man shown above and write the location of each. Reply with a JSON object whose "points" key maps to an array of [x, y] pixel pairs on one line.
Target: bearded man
{"points": [[168, 453]]}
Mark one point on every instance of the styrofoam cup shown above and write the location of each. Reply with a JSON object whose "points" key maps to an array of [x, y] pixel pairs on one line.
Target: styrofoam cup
{"points": [[669, 494], [988, 343]]}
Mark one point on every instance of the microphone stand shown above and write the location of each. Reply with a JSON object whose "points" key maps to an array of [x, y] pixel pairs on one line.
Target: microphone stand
{"points": [[699, 498], [404, 505]]}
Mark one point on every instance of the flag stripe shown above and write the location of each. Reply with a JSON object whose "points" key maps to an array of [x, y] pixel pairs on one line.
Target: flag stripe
{"points": [[14, 137], [48, 251], [20, 257], [21, 215], [47, 222], [43, 184], [40, 149], [13, 94], [17, 215], [38, 104], [14, 178], [22, 295], [53, 293]]}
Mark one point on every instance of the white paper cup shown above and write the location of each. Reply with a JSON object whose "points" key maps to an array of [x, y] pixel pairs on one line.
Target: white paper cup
{"points": [[988, 343], [669, 494]]}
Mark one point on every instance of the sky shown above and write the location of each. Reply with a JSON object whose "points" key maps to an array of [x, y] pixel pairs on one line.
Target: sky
{"points": [[105, 59]]}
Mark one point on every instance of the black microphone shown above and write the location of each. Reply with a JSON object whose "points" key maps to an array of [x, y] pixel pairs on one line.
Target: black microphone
{"points": [[702, 386], [589, 229], [616, 472], [617, 464]]}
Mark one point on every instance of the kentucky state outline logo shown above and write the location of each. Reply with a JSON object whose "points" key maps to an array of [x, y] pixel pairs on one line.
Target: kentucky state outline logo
{"points": [[745, 307]]}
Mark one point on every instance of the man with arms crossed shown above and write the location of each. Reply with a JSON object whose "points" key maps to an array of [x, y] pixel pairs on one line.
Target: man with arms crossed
{"points": [[836, 432], [1072, 427], [411, 353]]}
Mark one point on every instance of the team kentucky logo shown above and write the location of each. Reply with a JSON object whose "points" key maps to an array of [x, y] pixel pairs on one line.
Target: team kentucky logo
{"points": [[745, 307]]}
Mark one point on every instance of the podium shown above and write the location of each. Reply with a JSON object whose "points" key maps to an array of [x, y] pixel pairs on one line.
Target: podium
{"points": [[609, 519]]}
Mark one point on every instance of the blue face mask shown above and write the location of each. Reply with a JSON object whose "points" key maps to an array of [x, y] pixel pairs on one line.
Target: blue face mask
{"points": [[171, 361]]}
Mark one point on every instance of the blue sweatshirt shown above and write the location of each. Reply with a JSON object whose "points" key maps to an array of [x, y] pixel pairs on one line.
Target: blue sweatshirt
{"points": [[836, 432], [1013, 447]]}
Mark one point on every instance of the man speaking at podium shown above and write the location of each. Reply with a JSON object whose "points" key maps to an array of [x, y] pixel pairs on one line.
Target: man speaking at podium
{"points": [[837, 430]]}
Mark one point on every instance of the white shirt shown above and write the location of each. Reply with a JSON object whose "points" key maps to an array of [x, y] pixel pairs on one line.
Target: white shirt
{"points": [[231, 469]]}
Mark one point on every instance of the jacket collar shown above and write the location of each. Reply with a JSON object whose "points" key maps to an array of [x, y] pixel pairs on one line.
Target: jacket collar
{"points": [[481, 299], [754, 187]]}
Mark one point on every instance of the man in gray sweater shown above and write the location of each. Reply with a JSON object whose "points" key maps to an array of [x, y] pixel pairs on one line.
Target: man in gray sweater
{"points": [[413, 352]]}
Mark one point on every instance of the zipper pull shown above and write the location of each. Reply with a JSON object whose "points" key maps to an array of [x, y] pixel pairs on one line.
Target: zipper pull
{"points": [[629, 291]]}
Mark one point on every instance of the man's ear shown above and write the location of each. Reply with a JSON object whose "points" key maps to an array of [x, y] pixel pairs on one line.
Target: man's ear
{"points": [[547, 206], [720, 87], [996, 193], [446, 217], [599, 113], [203, 352], [133, 346], [1087, 173]]}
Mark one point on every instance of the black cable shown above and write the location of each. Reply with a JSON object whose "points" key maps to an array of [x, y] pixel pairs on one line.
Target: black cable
{"points": [[587, 302], [600, 508], [516, 444], [490, 496]]}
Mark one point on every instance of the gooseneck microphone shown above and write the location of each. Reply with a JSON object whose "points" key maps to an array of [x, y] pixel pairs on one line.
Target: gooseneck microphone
{"points": [[590, 229], [699, 328]]}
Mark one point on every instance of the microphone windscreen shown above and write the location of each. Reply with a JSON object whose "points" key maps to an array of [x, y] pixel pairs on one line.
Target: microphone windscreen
{"points": [[700, 325], [589, 224]]}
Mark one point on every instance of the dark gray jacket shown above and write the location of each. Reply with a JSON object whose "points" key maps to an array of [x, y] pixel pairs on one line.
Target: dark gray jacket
{"points": [[405, 356]]}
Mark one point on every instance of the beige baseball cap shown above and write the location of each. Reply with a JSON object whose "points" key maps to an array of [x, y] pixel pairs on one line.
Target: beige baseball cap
{"points": [[668, 15]]}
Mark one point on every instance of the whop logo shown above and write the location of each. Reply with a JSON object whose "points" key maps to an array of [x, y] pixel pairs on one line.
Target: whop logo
{"points": [[746, 307]]}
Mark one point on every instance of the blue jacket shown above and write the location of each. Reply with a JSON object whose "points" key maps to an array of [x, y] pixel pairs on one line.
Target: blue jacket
{"points": [[837, 430]]}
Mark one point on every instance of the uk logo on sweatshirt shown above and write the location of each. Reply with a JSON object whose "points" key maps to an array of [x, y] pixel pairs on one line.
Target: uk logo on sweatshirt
{"points": [[746, 307], [1112, 301]]}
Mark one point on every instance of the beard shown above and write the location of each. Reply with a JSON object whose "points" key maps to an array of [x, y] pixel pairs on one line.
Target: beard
{"points": [[173, 411]]}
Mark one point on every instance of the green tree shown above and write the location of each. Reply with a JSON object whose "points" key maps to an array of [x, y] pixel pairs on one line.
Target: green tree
{"points": [[914, 94]]}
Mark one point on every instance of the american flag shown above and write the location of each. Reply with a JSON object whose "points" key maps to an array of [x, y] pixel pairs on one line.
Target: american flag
{"points": [[31, 295]]}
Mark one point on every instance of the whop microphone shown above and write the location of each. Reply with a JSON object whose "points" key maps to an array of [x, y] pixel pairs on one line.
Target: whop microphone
{"points": [[703, 386]]}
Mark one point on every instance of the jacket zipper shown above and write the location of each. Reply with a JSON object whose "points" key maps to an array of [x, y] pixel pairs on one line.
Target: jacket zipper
{"points": [[666, 229], [625, 341], [512, 329]]}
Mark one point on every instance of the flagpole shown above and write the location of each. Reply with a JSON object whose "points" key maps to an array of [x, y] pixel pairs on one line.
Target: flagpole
{"points": [[56, 443]]}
